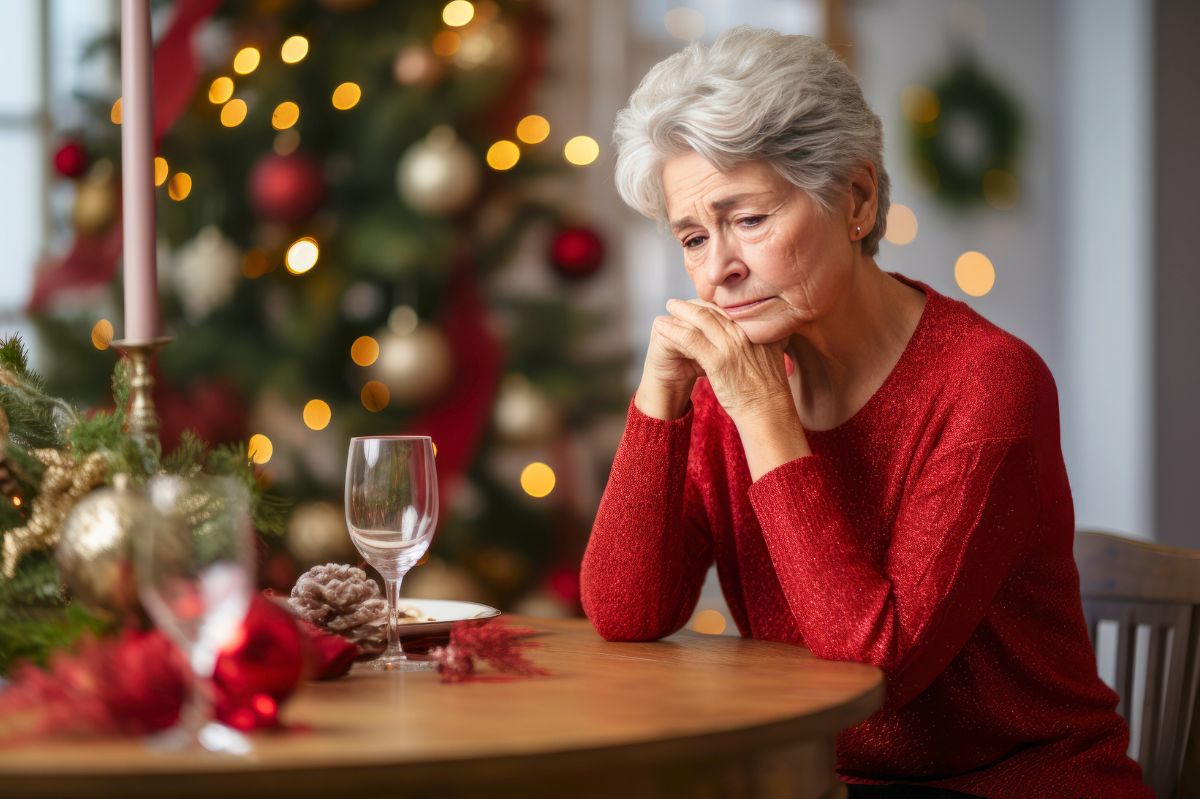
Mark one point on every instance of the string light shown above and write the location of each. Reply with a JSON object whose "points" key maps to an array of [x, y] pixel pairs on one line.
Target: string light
{"points": [[364, 351], [974, 273], [503, 155], [302, 255], [16, 502], [220, 90], [901, 224], [317, 414], [709, 622], [115, 114], [246, 60], [375, 396], [458, 13], [537, 479], [259, 449], [581, 150], [233, 113], [285, 115], [180, 186], [533, 129], [161, 170], [286, 143], [255, 264], [346, 96], [446, 43], [294, 49], [102, 334]]}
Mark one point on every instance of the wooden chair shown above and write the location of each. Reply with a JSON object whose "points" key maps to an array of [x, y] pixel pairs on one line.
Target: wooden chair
{"points": [[1136, 584]]}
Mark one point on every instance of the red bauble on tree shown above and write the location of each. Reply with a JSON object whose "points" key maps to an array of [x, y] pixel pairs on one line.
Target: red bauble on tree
{"points": [[71, 160], [577, 252], [286, 188]]}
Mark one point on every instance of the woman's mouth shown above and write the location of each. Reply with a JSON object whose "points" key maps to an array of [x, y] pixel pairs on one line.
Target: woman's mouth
{"points": [[746, 307]]}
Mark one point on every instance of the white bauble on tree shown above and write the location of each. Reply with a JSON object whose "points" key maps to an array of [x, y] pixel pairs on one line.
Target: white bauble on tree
{"points": [[523, 415], [206, 272], [438, 175], [416, 366]]}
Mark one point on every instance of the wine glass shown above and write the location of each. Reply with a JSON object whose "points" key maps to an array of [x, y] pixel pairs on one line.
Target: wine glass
{"points": [[391, 511], [195, 567]]}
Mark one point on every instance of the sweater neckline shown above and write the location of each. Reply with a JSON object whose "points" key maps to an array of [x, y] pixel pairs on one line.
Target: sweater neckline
{"points": [[899, 369]]}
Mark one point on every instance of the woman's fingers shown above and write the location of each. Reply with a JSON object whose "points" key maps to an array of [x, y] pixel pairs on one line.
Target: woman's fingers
{"points": [[686, 339], [709, 319]]}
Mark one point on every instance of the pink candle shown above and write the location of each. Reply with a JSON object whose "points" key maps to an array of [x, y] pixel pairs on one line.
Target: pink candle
{"points": [[137, 173]]}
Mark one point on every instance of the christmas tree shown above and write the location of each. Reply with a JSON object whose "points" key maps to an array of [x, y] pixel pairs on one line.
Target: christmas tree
{"points": [[342, 186]]}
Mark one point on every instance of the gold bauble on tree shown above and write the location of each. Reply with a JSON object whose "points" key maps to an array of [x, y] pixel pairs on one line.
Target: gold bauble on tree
{"points": [[95, 547], [438, 175], [95, 206], [316, 533], [523, 415], [416, 366]]}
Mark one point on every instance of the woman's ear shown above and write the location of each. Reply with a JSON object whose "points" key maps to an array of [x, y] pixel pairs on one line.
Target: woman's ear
{"points": [[864, 200]]}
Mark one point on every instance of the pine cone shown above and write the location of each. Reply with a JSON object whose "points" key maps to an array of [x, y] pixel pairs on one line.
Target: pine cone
{"points": [[343, 600]]}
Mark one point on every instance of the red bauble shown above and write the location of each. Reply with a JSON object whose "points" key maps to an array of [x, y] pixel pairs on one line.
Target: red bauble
{"points": [[563, 583], [286, 188], [71, 160], [261, 669], [577, 252]]}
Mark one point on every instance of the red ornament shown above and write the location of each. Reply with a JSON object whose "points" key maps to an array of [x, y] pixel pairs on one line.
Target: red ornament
{"points": [[286, 188], [71, 160], [261, 669], [493, 642], [577, 252], [563, 583]]}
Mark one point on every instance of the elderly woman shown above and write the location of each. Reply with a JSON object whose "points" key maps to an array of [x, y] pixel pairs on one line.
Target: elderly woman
{"points": [[873, 466]]}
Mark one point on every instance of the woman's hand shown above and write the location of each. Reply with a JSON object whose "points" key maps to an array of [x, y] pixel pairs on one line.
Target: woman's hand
{"points": [[667, 377]]}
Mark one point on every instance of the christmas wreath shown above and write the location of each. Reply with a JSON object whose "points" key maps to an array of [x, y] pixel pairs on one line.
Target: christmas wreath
{"points": [[965, 98]]}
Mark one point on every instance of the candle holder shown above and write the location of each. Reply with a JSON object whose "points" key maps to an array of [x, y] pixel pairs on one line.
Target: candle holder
{"points": [[141, 420]]}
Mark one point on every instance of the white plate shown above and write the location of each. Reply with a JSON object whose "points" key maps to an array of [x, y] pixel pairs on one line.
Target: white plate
{"points": [[438, 614]]}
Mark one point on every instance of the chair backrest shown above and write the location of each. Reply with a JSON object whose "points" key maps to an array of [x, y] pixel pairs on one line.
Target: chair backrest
{"points": [[1139, 585]]}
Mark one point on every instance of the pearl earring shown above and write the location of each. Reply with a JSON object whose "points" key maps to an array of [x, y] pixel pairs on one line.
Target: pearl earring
{"points": [[857, 230]]}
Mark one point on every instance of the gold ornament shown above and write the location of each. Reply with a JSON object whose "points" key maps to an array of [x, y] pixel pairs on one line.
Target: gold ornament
{"points": [[95, 550], [522, 414], [95, 206], [415, 367], [316, 533], [438, 175], [63, 483]]}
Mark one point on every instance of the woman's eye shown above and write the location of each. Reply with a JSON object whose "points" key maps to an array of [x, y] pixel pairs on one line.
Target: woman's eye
{"points": [[751, 221], [694, 242]]}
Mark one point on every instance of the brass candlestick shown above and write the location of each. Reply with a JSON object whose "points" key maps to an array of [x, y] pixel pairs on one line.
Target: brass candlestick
{"points": [[141, 420]]}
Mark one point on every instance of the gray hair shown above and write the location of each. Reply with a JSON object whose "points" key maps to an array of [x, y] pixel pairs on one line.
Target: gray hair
{"points": [[753, 95]]}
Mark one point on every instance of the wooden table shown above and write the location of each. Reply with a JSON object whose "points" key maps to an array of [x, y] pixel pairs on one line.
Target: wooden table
{"points": [[690, 716]]}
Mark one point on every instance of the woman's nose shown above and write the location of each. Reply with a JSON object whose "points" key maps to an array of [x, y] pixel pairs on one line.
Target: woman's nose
{"points": [[725, 264]]}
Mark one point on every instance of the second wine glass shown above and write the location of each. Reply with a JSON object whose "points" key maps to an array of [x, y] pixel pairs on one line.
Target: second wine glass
{"points": [[391, 512]]}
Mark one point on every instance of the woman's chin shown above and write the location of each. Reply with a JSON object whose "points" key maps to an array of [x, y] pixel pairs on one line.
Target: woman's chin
{"points": [[763, 331]]}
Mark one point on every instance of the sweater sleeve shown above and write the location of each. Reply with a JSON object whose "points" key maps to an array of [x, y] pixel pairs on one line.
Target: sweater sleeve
{"points": [[968, 518], [649, 550]]}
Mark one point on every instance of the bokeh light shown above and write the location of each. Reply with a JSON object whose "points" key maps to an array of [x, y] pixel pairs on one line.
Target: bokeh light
{"points": [[246, 60], [220, 90], [233, 113], [285, 115], [255, 263], [364, 351], [446, 43], [403, 320], [259, 449], [709, 622], [161, 170], [901, 224], [346, 96], [375, 396], [102, 334], [180, 186], [302, 255], [537, 479], [919, 104], [458, 13], [287, 142], [974, 273], [317, 414], [533, 129], [115, 113], [294, 49], [503, 155], [581, 150]]}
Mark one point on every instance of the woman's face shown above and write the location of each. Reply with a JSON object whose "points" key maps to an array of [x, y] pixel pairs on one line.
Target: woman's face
{"points": [[756, 245]]}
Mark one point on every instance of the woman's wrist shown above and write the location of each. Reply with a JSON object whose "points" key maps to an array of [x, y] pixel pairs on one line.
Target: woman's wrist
{"points": [[665, 403], [771, 438]]}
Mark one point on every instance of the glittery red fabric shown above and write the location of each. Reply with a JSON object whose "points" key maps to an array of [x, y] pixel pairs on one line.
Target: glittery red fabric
{"points": [[929, 535]]}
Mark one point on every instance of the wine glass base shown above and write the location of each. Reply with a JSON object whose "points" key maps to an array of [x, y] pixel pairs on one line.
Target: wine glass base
{"points": [[212, 737], [397, 664]]}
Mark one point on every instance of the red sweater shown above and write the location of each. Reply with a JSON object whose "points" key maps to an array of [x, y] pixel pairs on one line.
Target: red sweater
{"points": [[929, 535]]}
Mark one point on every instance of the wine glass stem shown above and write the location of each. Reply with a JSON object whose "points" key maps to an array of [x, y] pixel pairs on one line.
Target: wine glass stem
{"points": [[393, 627], [198, 710]]}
